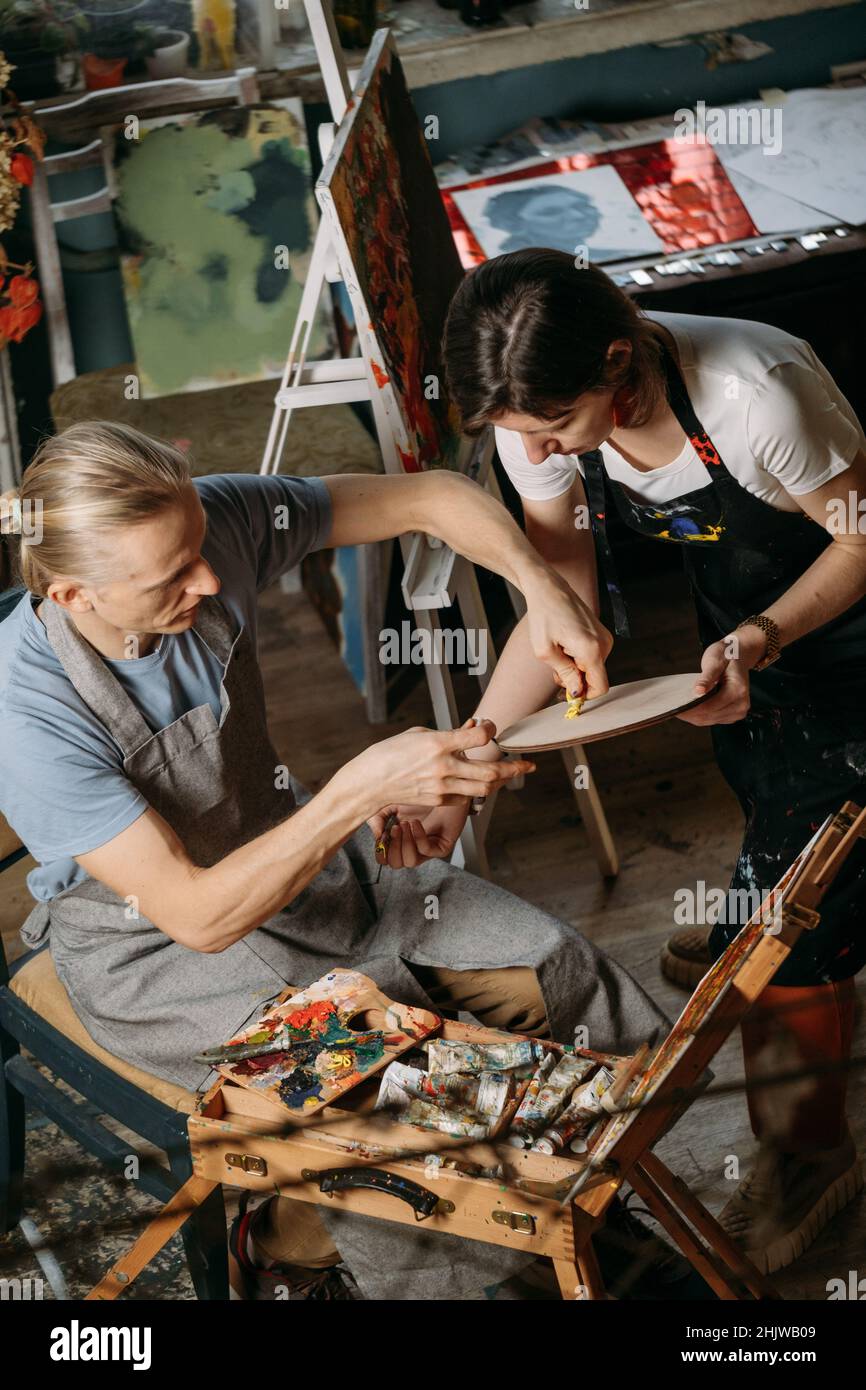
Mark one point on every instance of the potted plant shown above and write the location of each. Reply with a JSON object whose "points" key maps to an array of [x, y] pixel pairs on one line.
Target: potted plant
{"points": [[113, 39], [166, 52], [35, 35]]}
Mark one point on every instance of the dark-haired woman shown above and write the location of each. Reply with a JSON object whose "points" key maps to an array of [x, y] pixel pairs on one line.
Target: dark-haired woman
{"points": [[731, 440]]}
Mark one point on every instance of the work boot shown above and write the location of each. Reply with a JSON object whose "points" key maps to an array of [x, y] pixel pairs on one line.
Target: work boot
{"points": [[796, 1051], [253, 1279], [686, 958], [786, 1200]]}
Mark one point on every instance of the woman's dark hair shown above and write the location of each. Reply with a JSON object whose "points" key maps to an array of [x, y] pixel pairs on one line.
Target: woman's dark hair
{"points": [[528, 333]]}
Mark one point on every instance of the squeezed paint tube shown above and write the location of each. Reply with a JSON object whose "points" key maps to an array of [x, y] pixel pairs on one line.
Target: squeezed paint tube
{"points": [[578, 1117], [477, 1096], [486, 1094], [518, 1135], [448, 1057], [553, 1096], [408, 1109], [428, 1116]]}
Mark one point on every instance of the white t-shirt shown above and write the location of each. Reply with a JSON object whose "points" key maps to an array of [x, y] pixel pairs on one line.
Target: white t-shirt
{"points": [[774, 413]]}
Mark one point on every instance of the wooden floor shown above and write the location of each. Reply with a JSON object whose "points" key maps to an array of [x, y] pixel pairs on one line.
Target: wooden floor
{"points": [[674, 820]]}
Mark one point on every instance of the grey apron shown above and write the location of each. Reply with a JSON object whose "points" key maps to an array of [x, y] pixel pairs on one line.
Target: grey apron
{"points": [[155, 1003]]}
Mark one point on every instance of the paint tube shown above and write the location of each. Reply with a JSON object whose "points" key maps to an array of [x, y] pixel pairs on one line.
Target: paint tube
{"points": [[484, 1095], [487, 1094], [579, 1116], [425, 1115], [553, 1095], [400, 1092], [518, 1135], [394, 1089], [445, 1057]]}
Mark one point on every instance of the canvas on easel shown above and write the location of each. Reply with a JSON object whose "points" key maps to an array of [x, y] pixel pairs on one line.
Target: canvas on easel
{"points": [[397, 257], [385, 235]]}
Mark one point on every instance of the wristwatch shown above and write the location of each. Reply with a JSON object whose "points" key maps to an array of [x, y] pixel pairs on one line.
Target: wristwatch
{"points": [[772, 634]]}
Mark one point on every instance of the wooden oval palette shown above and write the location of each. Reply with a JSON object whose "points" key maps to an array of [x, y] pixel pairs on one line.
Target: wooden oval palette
{"points": [[635, 705]]}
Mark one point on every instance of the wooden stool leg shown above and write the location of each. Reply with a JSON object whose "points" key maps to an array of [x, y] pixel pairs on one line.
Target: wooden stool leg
{"points": [[716, 1236], [591, 809]]}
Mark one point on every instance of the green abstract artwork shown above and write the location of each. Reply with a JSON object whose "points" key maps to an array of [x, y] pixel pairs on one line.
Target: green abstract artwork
{"points": [[216, 220]]}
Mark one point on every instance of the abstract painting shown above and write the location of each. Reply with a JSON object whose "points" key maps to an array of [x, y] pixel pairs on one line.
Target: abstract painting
{"points": [[216, 221], [590, 207], [397, 257]]}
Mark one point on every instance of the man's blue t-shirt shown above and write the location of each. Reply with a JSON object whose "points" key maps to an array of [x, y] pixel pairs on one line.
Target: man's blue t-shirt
{"points": [[62, 785]]}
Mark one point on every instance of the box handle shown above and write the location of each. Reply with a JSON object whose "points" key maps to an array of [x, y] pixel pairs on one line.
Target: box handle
{"points": [[422, 1201]]}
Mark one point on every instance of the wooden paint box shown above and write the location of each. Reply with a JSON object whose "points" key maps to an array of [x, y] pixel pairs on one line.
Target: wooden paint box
{"points": [[243, 1139]]}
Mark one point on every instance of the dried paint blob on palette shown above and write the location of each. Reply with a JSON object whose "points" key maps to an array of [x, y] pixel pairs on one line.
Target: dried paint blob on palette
{"points": [[634, 705]]}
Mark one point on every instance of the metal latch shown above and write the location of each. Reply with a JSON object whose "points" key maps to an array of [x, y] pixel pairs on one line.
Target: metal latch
{"points": [[250, 1163], [516, 1221], [803, 917]]}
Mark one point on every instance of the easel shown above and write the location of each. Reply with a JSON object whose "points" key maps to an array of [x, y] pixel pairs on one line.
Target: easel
{"points": [[433, 575], [551, 1205]]}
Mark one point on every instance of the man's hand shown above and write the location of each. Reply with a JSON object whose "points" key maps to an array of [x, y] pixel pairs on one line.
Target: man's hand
{"points": [[731, 701], [421, 832], [425, 767], [567, 636]]}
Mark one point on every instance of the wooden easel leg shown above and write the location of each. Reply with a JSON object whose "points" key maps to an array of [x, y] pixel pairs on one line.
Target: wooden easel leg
{"points": [[678, 1193], [581, 1280], [152, 1239], [695, 1252]]}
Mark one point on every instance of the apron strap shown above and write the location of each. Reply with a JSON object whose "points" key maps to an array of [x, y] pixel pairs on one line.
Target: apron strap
{"points": [[215, 628], [593, 477], [97, 684], [683, 409]]}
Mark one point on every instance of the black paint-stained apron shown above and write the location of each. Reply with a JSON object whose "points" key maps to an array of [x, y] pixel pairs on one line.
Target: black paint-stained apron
{"points": [[146, 998], [801, 750]]}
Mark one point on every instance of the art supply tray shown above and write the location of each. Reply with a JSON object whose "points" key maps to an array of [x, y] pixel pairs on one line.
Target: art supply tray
{"points": [[369, 1163]]}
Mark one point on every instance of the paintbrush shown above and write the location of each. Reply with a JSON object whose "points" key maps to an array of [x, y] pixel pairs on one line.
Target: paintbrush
{"points": [[240, 1052], [384, 840]]}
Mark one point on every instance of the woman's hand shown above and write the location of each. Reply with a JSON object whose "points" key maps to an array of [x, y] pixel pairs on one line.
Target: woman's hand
{"points": [[731, 701], [421, 833], [567, 636], [427, 767]]}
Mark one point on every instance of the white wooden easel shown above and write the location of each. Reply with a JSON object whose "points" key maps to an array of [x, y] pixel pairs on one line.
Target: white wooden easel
{"points": [[433, 575]]}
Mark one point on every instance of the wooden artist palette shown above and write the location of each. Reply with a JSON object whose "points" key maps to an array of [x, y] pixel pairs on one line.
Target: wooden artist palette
{"points": [[342, 1003], [635, 705]]}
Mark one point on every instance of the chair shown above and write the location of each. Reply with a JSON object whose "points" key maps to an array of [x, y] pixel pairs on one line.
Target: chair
{"points": [[36, 1014]]}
